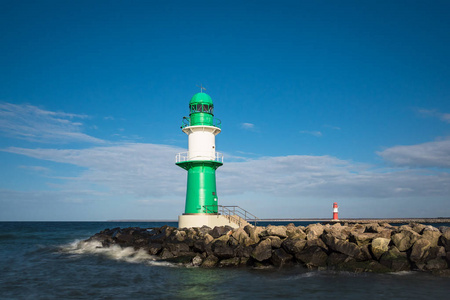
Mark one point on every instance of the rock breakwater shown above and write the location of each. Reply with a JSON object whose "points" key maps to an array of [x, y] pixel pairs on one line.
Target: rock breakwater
{"points": [[374, 247]]}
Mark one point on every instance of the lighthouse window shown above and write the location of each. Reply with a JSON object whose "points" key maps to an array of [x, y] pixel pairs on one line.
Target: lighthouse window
{"points": [[214, 193], [201, 108]]}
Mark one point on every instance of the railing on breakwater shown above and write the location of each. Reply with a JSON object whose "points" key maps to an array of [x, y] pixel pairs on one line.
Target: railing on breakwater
{"points": [[233, 213]]}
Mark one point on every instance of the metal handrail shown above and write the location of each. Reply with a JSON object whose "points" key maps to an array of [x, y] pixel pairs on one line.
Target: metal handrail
{"points": [[184, 156], [186, 122], [232, 212]]}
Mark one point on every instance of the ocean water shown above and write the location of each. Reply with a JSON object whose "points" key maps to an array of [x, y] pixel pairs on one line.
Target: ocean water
{"points": [[48, 260]]}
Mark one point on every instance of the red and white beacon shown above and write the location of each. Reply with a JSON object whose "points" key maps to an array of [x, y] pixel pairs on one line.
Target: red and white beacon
{"points": [[335, 211]]}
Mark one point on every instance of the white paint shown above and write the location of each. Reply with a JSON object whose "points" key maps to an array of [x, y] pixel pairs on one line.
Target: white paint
{"points": [[202, 142], [189, 221], [335, 210]]}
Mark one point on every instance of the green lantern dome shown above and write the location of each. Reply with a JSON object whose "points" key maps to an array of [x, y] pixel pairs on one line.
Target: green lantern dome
{"points": [[201, 98]]}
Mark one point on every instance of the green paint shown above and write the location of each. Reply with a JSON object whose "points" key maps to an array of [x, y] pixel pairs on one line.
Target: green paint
{"points": [[201, 185], [201, 110], [202, 98]]}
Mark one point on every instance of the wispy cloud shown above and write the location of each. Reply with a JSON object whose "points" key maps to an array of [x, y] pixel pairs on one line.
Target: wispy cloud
{"points": [[31, 123], [35, 168], [133, 169], [432, 154], [248, 126], [141, 171], [314, 133], [445, 117], [332, 127]]}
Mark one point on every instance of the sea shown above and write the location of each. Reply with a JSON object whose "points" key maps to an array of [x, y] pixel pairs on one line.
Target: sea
{"points": [[49, 260]]}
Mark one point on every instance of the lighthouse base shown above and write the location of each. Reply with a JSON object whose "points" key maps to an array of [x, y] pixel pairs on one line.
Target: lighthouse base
{"points": [[199, 220]]}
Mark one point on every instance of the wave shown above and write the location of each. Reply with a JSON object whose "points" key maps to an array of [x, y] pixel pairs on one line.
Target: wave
{"points": [[78, 248], [403, 273]]}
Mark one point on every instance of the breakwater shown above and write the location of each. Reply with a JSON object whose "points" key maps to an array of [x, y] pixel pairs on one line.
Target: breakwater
{"points": [[372, 247]]}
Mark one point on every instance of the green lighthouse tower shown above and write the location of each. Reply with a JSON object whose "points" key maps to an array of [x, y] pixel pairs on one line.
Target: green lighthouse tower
{"points": [[201, 162]]}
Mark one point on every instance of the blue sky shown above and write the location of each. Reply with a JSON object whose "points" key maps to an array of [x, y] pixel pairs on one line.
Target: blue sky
{"points": [[320, 101]]}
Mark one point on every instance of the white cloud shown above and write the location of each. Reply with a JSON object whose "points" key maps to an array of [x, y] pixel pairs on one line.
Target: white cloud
{"points": [[445, 117], [248, 126], [431, 154], [35, 168], [147, 171], [140, 170], [31, 123], [332, 127], [314, 133]]}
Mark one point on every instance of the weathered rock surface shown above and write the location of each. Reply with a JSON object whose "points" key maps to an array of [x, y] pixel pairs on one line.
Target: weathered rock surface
{"points": [[372, 247], [379, 247]]}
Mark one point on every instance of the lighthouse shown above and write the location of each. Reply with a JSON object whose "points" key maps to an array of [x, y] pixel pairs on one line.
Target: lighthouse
{"points": [[201, 162], [335, 212]]}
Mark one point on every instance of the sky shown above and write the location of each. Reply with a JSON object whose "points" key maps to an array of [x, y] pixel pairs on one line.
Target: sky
{"points": [[320, 102]]}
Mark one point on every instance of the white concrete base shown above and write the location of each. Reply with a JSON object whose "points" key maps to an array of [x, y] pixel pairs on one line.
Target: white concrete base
{"points": [[188, 221]]}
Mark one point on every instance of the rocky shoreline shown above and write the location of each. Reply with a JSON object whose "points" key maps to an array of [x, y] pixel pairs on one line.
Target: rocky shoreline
{"points": [[373, 247]]}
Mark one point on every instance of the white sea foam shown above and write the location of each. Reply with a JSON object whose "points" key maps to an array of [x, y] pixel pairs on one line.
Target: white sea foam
{"points": [[114, 252], [402, 273]]}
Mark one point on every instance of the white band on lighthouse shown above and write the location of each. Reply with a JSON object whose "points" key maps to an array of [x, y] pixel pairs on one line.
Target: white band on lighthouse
{"points": [[335, 209], [202, 142]]}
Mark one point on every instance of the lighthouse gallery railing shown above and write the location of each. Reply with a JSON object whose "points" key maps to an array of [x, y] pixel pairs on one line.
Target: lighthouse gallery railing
{"points": [[184, 156], [187, 122], [234, 213]]}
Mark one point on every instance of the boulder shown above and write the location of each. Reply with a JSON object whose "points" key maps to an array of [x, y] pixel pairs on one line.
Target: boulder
{"points": [[243, 251], [166, 254], [219, 231], [202, 231], [295, 232], [405, 239], [360, 228], [417, 227], [280, 257], [124, 238], [372, 228], [180, 235], [312, 257], [436, 264], [263, 250], [154, 248], [379, 246], [210, 261], [275, 241], [365, 252], [240, 235], [316, 243], [293, 246], [405, 228], [419, 250], [335, 259], [338, 231], [221, 249], [314, 231], [362, 238], [197, 260], [279, 231], [445, 237], [253, 232], [202, 245], [177, 249], [230, 262], [432, 234], [395, 260], [345, 247]]}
